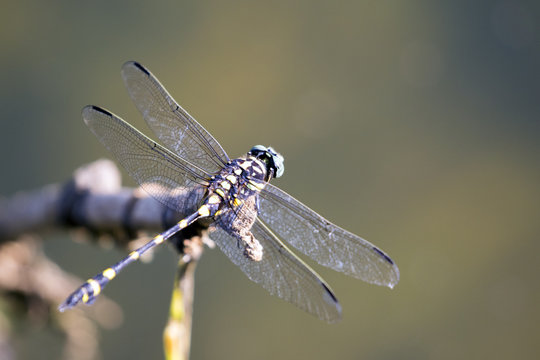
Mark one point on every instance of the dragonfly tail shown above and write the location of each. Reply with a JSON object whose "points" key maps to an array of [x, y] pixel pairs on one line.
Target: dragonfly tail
{"points": [[89, 291]]}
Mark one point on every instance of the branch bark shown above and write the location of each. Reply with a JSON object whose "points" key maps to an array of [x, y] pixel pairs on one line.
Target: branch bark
{"points": [[94, 205]]}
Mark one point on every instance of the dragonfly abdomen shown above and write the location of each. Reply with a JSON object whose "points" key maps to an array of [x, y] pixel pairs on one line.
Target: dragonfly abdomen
{"points": [[89, 291]]}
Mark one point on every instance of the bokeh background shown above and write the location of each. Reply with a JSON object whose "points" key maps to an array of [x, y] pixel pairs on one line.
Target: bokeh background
{"points": [[414, 124]]}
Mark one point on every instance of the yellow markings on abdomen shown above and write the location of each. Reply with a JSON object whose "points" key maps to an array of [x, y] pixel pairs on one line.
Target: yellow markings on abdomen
{"points": [[237, 202], [109, 273], [182, 223], [85, 297], [214, 199], [96, 288], [134, 255], [159, 239], [204, 211]]}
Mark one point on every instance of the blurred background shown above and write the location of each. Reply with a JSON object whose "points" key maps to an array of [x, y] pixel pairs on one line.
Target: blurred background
{"points": [[413, 124]]}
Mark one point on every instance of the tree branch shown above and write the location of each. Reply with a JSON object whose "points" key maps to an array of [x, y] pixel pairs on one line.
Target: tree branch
{"points": [[92, 203]]}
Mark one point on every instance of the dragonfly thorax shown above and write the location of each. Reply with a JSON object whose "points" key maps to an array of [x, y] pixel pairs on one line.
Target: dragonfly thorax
{"points": [[241, 178]]}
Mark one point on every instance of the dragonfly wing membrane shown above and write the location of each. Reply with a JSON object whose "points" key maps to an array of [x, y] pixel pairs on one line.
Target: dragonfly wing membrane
{"points": [[160, 172], [323, 241], [176, 129], [281, 273]]}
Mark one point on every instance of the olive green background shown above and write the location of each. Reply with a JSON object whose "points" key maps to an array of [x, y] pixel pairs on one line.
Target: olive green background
{"points": [[414, 124]]}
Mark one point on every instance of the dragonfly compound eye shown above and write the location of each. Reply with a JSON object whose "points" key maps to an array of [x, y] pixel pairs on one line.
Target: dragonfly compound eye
{"points": [[272, 159]]}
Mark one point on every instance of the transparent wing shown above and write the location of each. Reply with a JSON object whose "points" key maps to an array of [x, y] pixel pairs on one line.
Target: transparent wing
{"points": [[281, 273], [323, 241], [176, 129], [160, 172]]}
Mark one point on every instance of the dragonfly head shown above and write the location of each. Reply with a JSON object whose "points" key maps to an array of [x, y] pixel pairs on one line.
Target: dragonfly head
{"points": [[272, 159]]}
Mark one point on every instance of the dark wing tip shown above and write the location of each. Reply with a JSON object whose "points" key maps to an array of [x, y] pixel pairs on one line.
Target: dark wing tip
{"points": [[332, 300], [89, 116], [393, 275], [137, 65], [95, 108], [330, 293], [381, 253]]}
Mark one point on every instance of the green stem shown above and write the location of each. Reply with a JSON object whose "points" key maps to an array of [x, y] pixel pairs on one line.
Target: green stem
{"points": [[177, 333]]}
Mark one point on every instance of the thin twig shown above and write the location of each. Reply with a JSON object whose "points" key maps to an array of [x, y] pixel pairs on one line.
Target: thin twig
{"points": [[177, 333]]}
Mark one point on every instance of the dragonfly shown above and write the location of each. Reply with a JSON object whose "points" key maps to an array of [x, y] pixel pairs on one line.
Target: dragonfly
{"points": [[248, 217]]}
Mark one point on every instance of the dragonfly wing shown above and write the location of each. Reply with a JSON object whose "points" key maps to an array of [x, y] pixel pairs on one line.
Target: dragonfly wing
{"points": [[281, 272], [176, 129], [323, 241], [160, 172]]}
